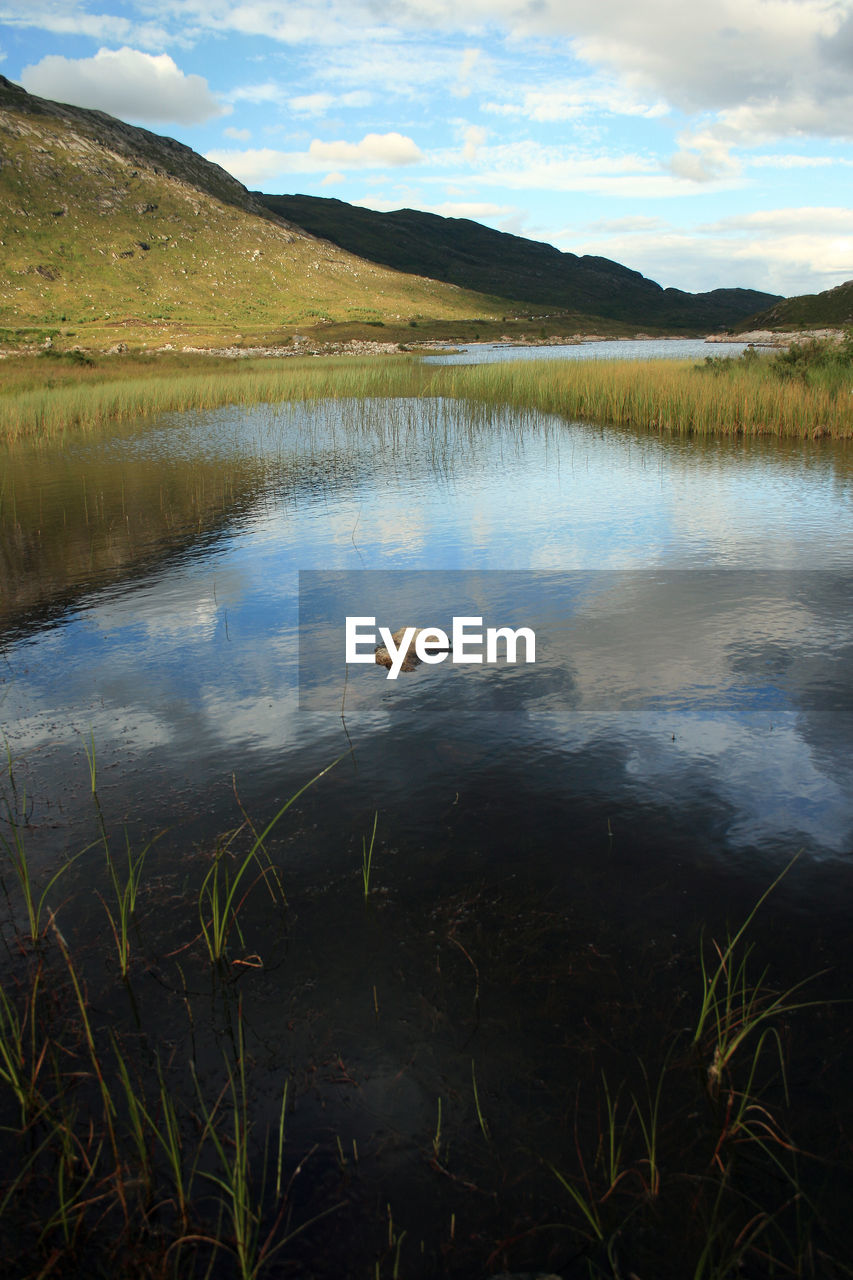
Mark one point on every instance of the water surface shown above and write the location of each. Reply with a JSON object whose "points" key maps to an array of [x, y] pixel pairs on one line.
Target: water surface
{"points": [[551, 839]]}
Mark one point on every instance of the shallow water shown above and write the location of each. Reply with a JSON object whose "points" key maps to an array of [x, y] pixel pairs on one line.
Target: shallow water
{"points": [[605, 349], [551, 838]]}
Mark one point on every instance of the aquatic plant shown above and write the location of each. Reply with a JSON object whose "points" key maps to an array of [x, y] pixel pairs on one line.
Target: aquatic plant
{"points": [[756, 397], [217, 899], [367, 856]]}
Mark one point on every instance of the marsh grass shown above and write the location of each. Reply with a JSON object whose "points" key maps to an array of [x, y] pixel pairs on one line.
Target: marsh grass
{"points": [[218, 904], [14, 851], [125, 885], [666, 396], [755, 397], [87, 400], [732, 1193], [734, 1005], [367, 856]]}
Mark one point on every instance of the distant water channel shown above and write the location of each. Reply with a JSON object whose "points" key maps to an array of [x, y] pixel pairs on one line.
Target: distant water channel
{"points": [[605, 349], [552, 841]]}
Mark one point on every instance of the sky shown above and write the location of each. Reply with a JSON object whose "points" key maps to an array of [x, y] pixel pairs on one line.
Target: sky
{"points": [[704, 145]]}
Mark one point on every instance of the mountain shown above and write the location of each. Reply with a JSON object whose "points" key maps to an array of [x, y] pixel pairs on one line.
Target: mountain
{"points": [[831, 309], [110, 227], [108, 231], [476, 257]]}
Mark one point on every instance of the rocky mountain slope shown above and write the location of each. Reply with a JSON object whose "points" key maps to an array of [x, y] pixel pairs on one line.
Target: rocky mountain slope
{"points": [[106, 229], [476, 257], [104, 223]]}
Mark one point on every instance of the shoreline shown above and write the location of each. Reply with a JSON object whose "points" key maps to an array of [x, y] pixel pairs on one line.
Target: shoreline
{"points": [[304, 345]]}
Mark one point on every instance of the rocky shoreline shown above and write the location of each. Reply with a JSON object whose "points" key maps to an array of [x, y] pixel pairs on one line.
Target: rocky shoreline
{"points": [[780, 338]]}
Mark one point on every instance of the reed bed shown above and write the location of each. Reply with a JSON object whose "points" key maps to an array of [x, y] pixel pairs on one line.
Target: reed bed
{"points": [[49, 412], [669, 396], [755, 397]]}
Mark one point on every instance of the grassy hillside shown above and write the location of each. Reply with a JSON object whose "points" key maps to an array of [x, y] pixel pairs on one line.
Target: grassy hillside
{"points": [[110, 232], [477, 257], [831, 309], [110, 229]]}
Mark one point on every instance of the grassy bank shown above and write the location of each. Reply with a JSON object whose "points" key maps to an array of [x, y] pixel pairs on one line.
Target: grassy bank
{"points": [[807, 396], [756, 396]]}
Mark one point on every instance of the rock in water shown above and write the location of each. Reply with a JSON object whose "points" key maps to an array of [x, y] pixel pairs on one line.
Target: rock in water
{"points": [[411, 659]]}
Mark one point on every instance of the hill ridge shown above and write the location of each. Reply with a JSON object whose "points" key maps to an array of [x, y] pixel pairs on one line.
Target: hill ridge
{"points": [[469, 254]]}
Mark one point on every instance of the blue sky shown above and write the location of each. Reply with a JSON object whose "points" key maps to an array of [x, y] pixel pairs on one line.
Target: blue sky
{"points": [[704, 145]]}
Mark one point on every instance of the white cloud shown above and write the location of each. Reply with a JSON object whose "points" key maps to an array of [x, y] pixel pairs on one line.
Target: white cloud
{"points": [[777, 67], [636, 223], [239, 135], [311, 104], [375, 151], [787, 251], [784, 64], [318, 104], [477, 210], [706, 155], [575, 98], [473, 209], [333, 180], [792, 161], [808, 220], [474, 138], [469, 60], [125, 83], [529, 166], [72, 19], [257, 93]]}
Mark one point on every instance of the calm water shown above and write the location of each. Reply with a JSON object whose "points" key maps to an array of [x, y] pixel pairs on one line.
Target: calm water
{"points": [[551, 840], [612, 349]]}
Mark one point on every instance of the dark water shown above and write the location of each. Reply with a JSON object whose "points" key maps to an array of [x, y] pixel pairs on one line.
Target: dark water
{"points": [[553, 841]]}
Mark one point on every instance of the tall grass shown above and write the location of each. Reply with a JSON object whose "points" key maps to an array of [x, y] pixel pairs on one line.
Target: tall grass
{"points": [[760, 396], [73, 404], [671, 396], [218, 904]]}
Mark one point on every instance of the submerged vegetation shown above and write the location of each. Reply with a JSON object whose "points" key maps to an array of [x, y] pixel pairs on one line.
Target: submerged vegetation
{"points": [[805, 392], [133, 1141]]}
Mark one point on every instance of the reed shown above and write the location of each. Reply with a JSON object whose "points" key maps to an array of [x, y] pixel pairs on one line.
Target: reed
{"points": [[734, 1006], [367, 856], [21, 1061], [740, 1168], [15, 852], [217, 901], [666, 396], [234, 1179], [125, 889], [481, 1119], [755, 397], [51, 412]]}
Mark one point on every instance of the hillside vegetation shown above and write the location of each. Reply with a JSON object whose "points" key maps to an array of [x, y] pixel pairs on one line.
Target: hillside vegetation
{"points": [[831, 309], [494, 262], [106, 227], [110, 233]]}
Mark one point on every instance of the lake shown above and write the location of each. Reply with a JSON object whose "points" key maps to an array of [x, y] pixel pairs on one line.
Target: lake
{"points": [[482, 939]]}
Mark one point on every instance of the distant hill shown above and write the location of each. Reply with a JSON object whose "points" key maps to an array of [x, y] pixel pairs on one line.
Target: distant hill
{"points": [[102, 223], [110, 231], [472, 256], [831, 309]]}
